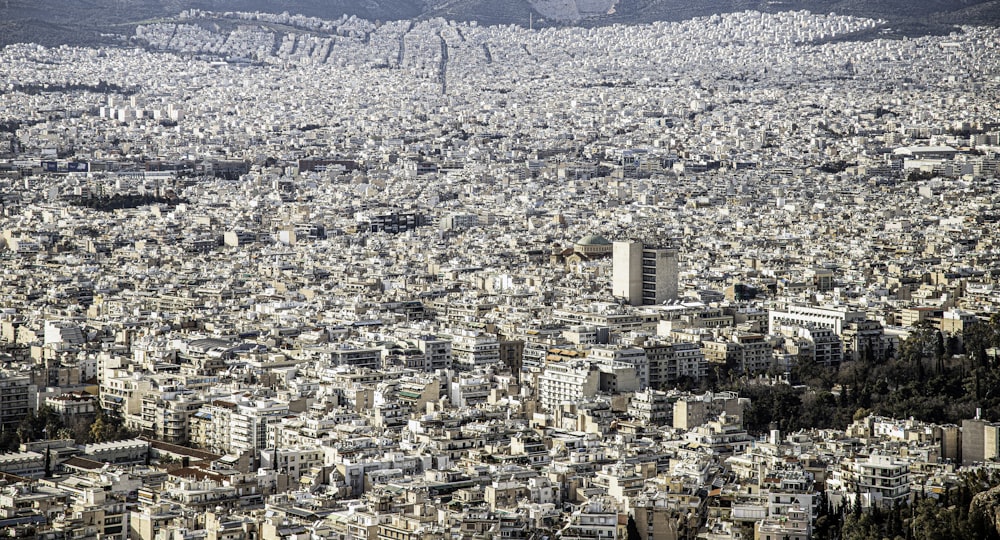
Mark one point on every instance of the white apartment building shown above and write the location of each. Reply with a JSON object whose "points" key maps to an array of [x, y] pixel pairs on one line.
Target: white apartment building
{"points": [[236, 425], [574, 382], [166, 415], [651, 407], [294, 461], [474, 349], [883, 481], [250, 421], [437, 352], [567, 383], [468, 390], [670, 362], [121, 391], [356, 357], [835, 318], [793, 525], [828, 349], [597, 519]]}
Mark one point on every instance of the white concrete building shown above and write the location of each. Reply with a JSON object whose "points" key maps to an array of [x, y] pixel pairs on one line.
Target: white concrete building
{"points": [[644, 275]]}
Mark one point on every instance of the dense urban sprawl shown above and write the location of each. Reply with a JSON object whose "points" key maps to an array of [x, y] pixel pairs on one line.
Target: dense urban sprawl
{"points": [[275, 277]]}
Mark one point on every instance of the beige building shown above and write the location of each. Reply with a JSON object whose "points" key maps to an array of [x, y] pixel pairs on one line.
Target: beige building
{"points": [[980, 441], [642, 275]]}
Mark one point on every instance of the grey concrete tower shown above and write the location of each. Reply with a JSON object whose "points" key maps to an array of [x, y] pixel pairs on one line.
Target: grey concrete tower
{"points": [[644, 275]]}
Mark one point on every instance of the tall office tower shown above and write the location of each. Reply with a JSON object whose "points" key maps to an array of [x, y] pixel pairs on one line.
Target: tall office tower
{"points": [[644, 275]]}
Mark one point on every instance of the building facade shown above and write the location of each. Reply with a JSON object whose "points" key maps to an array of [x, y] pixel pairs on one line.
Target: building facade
{"points": [[643, 275]]}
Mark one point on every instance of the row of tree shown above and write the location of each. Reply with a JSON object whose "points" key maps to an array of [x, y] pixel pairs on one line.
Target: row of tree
{"points": [[46, 423], [102, 87], [119, 200]]}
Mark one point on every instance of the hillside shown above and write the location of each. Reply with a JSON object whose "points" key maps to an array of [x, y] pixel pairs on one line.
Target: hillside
{"points": [[89, 22]]}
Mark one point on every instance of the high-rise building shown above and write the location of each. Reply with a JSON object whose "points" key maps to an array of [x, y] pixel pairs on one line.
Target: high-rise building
{"points": [[19, 399], [980, 441], [644, 275]]}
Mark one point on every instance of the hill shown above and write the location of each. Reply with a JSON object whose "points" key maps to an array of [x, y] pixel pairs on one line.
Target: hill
{"points": [[90, 22]]}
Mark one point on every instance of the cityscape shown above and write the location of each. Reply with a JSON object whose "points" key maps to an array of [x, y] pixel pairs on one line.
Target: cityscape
{"points": [[270, 276]]}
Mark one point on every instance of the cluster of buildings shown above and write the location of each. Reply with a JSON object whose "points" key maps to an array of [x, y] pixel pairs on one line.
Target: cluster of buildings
{"points": [[590, 470], [476, 299]]}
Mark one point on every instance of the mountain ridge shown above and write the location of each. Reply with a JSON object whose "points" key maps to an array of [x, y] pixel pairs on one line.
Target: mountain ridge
{"points": [[90, 22]]}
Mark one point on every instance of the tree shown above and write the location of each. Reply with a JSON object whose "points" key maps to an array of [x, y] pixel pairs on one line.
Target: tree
{"points": [[26, 429], [939, 350], [50, 420], [632, 529], [8, 440], [890, 352], [108, 426], [98, 429]]}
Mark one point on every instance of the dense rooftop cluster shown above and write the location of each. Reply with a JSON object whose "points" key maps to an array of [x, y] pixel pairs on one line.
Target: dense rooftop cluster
{"points": [[268, 276]]}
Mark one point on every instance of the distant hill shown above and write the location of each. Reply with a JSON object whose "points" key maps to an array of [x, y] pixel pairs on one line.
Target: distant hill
{"points": [[89, 22], [904, 11]]}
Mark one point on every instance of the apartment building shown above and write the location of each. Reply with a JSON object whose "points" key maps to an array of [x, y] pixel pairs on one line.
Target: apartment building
{"points": [[644, 275]]}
